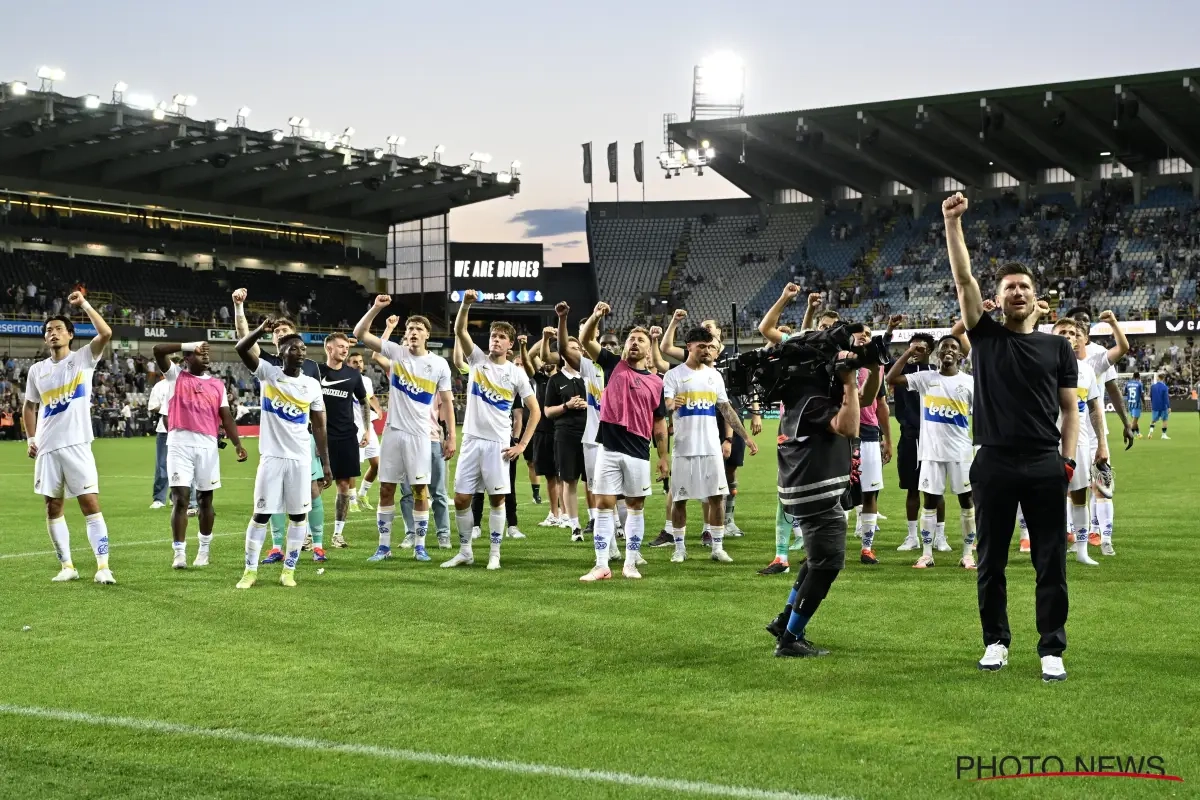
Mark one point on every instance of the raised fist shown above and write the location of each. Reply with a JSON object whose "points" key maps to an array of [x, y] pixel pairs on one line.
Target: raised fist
{"points": [[602, 309], [989, 305], [954, 206], [1108, 316], [383, 301], [655, 333], [392, 321], [562, 309], [268, 324], [790, 291], [814, 300], [239, 296], [550, 332], [896, 321], [680, 314], [1043, 308], [522, 340], [77, 299]]}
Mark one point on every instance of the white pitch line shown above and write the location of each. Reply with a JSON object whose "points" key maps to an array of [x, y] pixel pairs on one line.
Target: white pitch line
{"points": [[111, 544], [413, 756]]}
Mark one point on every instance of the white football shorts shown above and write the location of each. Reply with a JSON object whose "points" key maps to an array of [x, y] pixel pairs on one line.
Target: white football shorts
{"points": [[282, 486], [618, 473], [405, 458], [871, 466], [188, 465], [697, 477], [66, 472], [481, 467], [591, 454], [939, 476]]}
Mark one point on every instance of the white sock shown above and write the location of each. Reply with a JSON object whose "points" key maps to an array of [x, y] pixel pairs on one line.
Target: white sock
{"points": [[496, 530], [858, 521], [574, 523], [97, 533], [339, 525], [941, 531], [1104, 516], [913, 528], [61, 539], [868, 530], [256, 534], [635, 527], [928, 528], [1079, 524], [591, 514], [717, 532], [295, 540], [604, 533], [384, 517], [622, 512], [967, 516], [421, 520], [205, 541], [465, 521], [365, 488], [679, 534], [1022, 525], [179, 548], [1092, 512]]}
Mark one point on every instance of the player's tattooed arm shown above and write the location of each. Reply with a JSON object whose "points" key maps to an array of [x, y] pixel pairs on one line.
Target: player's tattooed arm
{"points": [[734, 420], [660, 446], [446, 413], [1096, 414]]}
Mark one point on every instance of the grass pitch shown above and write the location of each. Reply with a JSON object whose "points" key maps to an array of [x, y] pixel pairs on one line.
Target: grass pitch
{"points": [[406, 680]]}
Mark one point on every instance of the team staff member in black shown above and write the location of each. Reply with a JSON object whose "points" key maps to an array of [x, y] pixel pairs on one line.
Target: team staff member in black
{"points": [[566, 408], [539, 364], [1023, 381], [341, 384]]}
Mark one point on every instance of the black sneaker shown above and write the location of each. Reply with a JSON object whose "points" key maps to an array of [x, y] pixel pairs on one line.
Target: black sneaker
{"points": [[706, 539], [799, 648], [776, 567], [777, 627], [620, 533], [591, 527], [537, 498], [664, 539], [577, 535]]}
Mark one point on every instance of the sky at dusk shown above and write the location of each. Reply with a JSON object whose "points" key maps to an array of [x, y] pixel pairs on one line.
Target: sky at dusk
{"points": [[532, 80]]}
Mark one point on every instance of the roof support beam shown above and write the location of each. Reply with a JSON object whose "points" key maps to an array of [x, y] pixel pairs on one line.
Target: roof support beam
{"points": [[861, 182], [946, 164], [130, 168], [971, 140], [1058, 156], [16, 113], [58, 135], [324, 182], [1076, 116], [126, 144], [1163, 128], [748, 174], [348, 194], [877, 161], [292, 169], [391, 198], [203, 173]]}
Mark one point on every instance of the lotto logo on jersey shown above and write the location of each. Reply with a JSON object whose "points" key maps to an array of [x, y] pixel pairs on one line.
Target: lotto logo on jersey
{"points": [[283, 406], [490, 393], [945, 411], [697, 404], [58, 400], [420, 390]]}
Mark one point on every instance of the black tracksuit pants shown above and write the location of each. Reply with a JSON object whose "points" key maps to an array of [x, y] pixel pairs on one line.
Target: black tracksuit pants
{"points": [[1001, 478]]}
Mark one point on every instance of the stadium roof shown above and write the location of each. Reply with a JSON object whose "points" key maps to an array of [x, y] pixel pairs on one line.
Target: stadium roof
{"points": [[115, 153], [1134, 120]]}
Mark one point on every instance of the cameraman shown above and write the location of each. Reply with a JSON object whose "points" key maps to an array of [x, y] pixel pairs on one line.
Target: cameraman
{"points": [[818, 422]]}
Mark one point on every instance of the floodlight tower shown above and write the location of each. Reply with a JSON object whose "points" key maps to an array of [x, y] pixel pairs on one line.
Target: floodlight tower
{"points": [[718, 87]]}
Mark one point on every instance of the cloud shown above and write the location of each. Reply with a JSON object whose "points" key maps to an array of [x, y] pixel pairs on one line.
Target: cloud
{"points": [[540, 222], [568, 243]]}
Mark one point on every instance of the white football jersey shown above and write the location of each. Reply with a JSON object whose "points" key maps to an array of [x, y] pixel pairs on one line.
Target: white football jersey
{"points": [[1088, 389], [414, 382], [946, 403], [593, 380], [287, 404], [695, 420], [1097, 357], [490, 395], [63, 392]]}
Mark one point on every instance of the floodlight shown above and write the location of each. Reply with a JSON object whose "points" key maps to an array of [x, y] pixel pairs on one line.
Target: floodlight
{"points": [[709, 152], [722, 79], [120, 86], [349, 131], [705, 144], [693, 155], [504, 177], [467, 169], [276, 135], [159, 113], [377, 153], [481, 158], [395, 140], [91, 101], [190, 100], [331, 143], [220, 125], [515, 165], [179, 99], [441, 148], [422, 160], [297, 122], [18, 88], [51, 74], [244, 111], [143, 101], [1105, 154]]}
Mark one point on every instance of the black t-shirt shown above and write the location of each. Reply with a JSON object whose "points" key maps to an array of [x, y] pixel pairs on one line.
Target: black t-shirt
{"points": [[562, 388], [340, 387], [540, 381], [1017, 378], [614, 437]]}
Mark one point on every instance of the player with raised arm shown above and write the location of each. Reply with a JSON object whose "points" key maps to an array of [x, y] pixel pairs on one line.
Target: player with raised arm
{"points": [[633, 411], [695, 393], [540, 365], [494, 385], [566, 405], [944, 448], [347, 417], [58, 424], [290, 399], [417, 380], [359, 499], [316, 515], [198, 410]]}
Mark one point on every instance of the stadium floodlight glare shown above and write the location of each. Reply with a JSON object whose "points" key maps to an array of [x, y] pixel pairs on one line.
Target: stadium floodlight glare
{"points": [[348, 132], [244, 111], [482, 158], [142, 101], [298, 121], [159, 112], [91, 102], [693, 154], [437, 153], [48, 75], [504, 177], [376, 153], [422, 160], [394, 139], [467, 169], [18, 88], [118, 92], [331, 143], [120, 86], [709, 152], [220, 125], [1105, 154], [705, 145], [514, 166], [276, 135]]}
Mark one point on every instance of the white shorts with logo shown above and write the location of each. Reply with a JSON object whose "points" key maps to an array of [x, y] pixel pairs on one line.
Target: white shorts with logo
{"points": [[405, 458], [481, 467], [372, 448], [591, 455], [66, 472], [618, 473], [188, 465], [1085, 456], [697, 477], [282, 486], [871, 466], [938, 476]]}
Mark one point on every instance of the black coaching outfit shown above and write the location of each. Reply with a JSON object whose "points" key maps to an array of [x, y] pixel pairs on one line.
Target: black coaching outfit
{"points": [[569, 426], [1017, 383]]}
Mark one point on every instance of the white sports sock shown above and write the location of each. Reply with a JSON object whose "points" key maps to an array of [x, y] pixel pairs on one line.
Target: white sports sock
{"points": [[858, 521], [868, 530], [365, 488], [465, 521], [1104, 515], [295, 540], [941, 530], [718, 537], [574, 522], [1079, 524], [179, 548], [496, 529], [339, 525], [967, 515], [256, 534], [97, 533], [1022, 524], [60, 537], [421, 520], [679, 534], [1095, 526], [635, 526], [914, 527], [622, 513], [205, 542], [604, 533], [928, 528], [384, 517], [591, 514]]}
